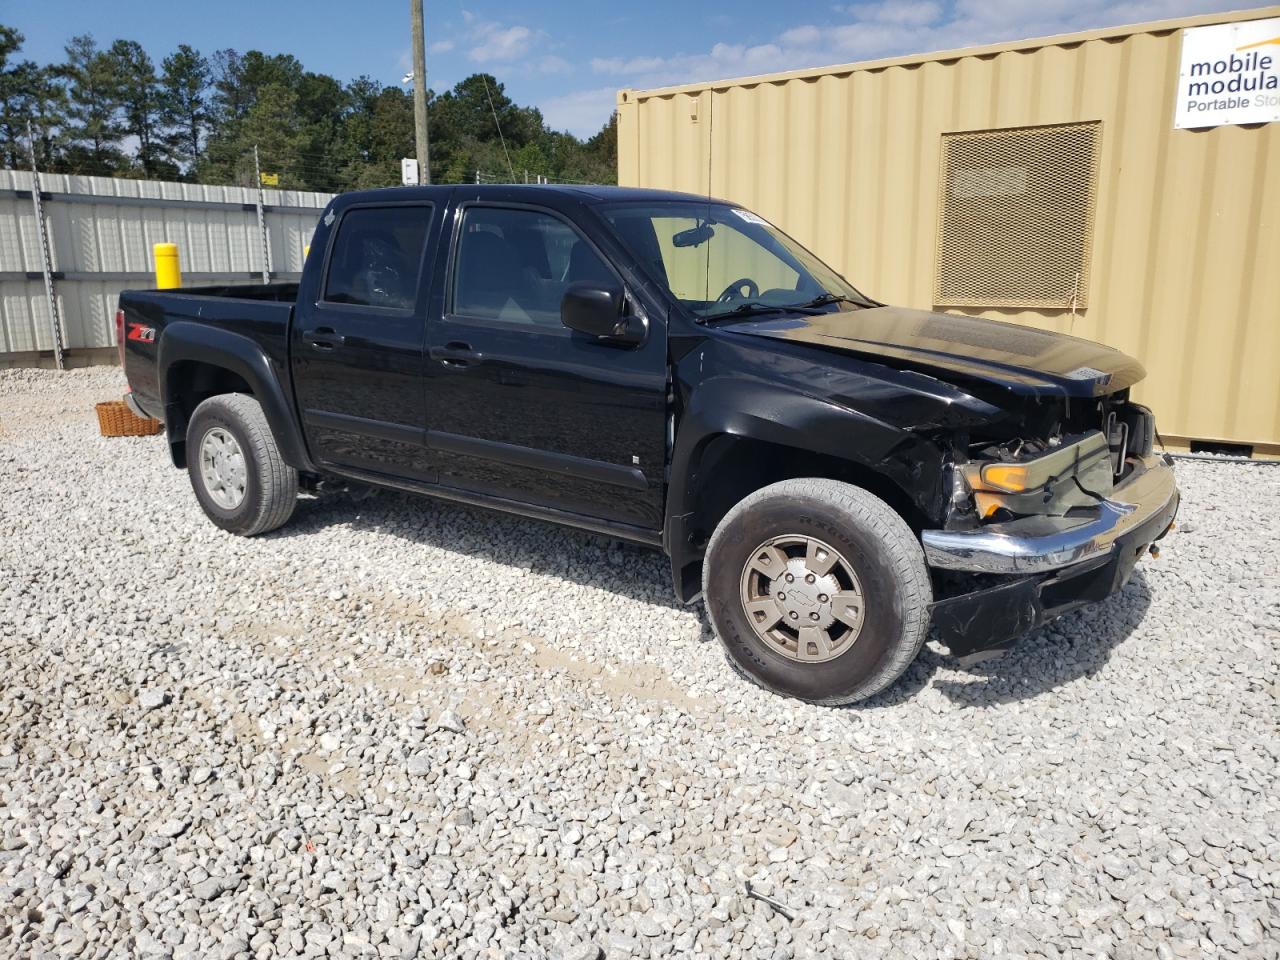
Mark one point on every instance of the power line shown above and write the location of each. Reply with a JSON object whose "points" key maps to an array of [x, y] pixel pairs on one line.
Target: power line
{"points": [[501, 138]]}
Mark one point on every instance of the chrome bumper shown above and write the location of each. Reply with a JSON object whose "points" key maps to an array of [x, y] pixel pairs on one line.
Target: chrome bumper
{"points": [[132, 404], [1040, 544]]}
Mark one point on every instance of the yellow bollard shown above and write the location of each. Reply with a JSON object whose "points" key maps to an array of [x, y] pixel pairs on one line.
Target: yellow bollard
{"points": [[168, 267]]}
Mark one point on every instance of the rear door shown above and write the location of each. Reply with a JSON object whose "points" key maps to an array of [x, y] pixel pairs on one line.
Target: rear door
{"points": [[358, 349], [521, 407]]}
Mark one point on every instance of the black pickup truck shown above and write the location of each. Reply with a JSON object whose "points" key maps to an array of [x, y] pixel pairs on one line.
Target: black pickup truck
{"points": [[831, 474]]}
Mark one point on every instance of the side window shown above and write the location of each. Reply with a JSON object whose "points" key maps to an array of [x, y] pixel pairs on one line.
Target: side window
{"points": [[514, 265], [377, 256]]}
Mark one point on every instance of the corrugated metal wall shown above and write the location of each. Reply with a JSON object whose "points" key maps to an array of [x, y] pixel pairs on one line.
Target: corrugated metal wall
{"points": [[101, 231], [1186, 249]]}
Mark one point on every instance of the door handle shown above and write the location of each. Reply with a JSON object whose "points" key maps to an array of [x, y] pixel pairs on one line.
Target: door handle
{"points": [[455, 354], [325, 338]]}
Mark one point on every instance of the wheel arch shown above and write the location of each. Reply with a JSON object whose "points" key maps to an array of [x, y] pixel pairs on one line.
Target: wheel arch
{"points": [[737, 438], [197, 361]]}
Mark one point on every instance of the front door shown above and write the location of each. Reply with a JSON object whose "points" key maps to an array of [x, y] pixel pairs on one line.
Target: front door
{"points": [[523, 408], [358, 350]]}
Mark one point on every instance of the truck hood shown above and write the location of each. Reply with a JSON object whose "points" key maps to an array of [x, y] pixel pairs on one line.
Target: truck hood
{"points": [[1024, 360]]}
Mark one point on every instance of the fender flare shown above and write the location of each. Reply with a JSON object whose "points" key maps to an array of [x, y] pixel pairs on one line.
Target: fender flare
{"points": [[185, 340], [753, 410]]}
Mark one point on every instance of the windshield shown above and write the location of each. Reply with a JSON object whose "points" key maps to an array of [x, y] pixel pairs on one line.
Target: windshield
{"points": [[719, 260]]}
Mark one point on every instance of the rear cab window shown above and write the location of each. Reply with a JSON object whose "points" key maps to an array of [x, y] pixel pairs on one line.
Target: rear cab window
{"points": [[376, 258]]}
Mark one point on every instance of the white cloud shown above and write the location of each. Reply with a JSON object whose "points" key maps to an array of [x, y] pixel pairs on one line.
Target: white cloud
{"points": [[502, 44], [492, 42], [807, 35], [552, 64], [893, 28], [911, 13], [582, 113], [861, 31], [632, 65]]}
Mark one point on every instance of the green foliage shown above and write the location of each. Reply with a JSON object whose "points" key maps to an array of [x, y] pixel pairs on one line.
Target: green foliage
{"points": [[141, 105], [184, 85], [109, 112], [93, 130], [29, 95]]}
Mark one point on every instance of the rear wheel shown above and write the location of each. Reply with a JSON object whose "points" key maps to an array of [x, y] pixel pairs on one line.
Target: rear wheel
{"points": [[818, 590], [236, 470]]}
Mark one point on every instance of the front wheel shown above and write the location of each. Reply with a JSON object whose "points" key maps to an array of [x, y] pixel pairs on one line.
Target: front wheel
{"points": [[818, 590], [236, 470]]}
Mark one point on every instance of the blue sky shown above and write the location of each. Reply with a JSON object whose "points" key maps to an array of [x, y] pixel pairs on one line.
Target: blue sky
{"points": [[569, 59]]}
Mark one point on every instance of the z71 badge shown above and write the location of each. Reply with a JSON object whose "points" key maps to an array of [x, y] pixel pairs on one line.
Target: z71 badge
{"points": [[142, 333]]}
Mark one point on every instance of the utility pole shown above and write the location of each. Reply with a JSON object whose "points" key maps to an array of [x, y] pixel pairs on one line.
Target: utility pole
{"points": [[420, 91]]}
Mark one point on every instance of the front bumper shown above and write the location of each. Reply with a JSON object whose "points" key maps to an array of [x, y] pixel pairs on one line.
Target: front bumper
{"points": [[1051, 565], [1042, 544]]}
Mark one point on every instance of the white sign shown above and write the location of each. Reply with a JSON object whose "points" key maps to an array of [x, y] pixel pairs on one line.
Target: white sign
{"points": [[1230, 74], [409, 172]]}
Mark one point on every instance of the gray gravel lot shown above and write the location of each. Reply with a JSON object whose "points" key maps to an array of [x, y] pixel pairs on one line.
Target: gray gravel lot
{"points": [[399, 728]]}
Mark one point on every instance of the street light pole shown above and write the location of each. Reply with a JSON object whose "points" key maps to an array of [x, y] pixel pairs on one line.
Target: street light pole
{"points": [[420, 91]]}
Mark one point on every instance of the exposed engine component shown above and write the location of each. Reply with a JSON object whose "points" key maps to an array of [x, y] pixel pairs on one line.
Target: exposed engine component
{"points": [[1064, 456]]}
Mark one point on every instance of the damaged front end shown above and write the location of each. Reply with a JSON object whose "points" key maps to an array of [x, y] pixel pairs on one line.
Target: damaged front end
{"points": [[1046, 522]]}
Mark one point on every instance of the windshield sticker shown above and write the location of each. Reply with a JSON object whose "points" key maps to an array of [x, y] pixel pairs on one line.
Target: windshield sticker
{"points": [[750, 217]]}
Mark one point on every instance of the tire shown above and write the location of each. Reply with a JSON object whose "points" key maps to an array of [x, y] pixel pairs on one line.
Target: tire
{"points": [[874, 624], [264, 489]]}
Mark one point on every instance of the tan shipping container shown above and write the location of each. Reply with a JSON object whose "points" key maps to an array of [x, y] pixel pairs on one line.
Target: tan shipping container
{"points": [[1180, 228]]}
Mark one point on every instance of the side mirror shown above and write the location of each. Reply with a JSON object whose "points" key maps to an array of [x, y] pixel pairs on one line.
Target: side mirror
{"points": [[597, 312]]}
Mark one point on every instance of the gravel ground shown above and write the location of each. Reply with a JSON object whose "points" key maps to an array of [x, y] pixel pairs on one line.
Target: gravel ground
{"points": [[398, 728]]}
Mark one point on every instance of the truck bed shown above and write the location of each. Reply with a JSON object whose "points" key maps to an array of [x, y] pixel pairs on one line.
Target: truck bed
{"points": [[258, 312]]}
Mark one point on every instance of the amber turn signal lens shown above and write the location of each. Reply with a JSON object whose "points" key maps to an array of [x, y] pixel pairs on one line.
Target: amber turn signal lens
{"points": [[987, 504], [1010, 477]]}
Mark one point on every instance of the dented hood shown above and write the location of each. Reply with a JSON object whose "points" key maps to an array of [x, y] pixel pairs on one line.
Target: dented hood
{"points": [[1022, 359]]}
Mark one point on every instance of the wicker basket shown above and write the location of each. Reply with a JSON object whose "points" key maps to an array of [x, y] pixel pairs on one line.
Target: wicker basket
{"points": [[115, 419]]}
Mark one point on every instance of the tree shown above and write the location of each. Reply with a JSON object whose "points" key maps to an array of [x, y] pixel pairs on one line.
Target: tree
{"points": [[377, 131], [598, 157], [45, 104], [322, 110], [530, 161], [28, 96], [239, 79], [271, 125], [476, 126], [141, 102], [107, 112], [184, 86], [604, 145], [253, 86], [392, 133], [477, 107], [13, 83], [11, 42], [229, 94], [93, 131]]}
